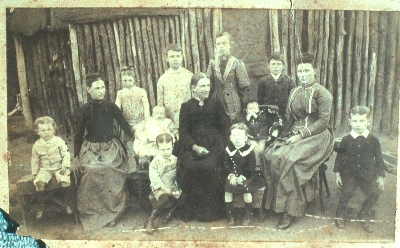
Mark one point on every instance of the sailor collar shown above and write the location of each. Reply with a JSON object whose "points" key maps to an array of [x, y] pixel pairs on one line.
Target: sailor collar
{"points": [[243, 151]]}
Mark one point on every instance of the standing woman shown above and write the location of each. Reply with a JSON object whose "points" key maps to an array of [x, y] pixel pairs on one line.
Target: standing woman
{"points": [[102, 158], [292, 161], [203, 131]]}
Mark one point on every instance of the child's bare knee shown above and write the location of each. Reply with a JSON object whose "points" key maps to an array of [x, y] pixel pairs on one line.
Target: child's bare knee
{"points": [[228, 197], [248, 198]]}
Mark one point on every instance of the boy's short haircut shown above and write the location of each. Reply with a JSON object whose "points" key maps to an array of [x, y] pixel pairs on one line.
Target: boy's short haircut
{"points": [[240, 126], [173, 47], [222, 33], [128, 71], [361, 110], [92, 77], [164, 138], [276, 56], [44, 120], [306, 59]]}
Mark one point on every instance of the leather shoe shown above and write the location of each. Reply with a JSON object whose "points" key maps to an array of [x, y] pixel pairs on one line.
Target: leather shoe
{"points": [[367, 225], [339, 223], [285, 221]]}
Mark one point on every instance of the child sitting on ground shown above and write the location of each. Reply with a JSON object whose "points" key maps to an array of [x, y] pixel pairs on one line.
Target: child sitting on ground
{"points": [[264, 127], [359, 163], [134, 105], [240, 163], [50, 158], [162, 174], [147, 131]]}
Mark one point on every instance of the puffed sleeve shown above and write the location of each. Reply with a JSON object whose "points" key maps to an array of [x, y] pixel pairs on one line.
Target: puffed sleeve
{"points": [[340, 157], [35, 166], [185, 139], [324, 102], [122, 121], [243, 81]]}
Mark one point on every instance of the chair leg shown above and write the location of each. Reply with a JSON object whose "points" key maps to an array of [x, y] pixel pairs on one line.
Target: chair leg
{"points": [[328, 193], [321, 197], [261, 209]]}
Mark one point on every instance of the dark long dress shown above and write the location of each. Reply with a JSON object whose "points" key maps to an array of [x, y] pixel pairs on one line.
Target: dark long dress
{"points": [[291, 166], [201, 178], [103, 160]]}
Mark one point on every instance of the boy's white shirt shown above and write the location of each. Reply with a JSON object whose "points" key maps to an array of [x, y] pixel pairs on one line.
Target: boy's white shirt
{"points": [[276, 77], [355, 135]]}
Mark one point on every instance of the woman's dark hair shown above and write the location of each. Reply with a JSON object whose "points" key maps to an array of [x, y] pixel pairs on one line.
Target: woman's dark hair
{"points": [[306, 59], [92, 77], [164, 138], [196, 78]]}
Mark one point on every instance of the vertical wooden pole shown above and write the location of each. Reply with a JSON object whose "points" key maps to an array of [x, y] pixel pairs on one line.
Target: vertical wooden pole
{"points": [[23, 85], [208, 35], [275, 31], [200, 37], [364, 74], [374, 21], [116, 35], [357, 59], [339, 67], [311, 28], [75, 63], [324, 62], [194, 41]]}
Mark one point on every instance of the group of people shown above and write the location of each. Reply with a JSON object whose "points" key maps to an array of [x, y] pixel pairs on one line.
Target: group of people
{"points": [[209, 138]]}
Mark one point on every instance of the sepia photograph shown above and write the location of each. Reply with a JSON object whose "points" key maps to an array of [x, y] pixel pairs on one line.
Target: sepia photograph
{"points": [[202, 124]]}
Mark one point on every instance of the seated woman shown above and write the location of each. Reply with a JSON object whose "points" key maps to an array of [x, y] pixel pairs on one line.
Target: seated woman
{"points": [[203, 135], [293, 160], [102, 158]]}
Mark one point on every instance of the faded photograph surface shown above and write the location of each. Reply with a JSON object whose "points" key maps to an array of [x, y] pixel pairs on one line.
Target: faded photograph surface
{"points": [[205, 124]]}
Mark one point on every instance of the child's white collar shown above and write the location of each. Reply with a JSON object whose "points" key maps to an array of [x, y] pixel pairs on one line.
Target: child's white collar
{"points": [[242, 153], [355, 135], [276, 77]]}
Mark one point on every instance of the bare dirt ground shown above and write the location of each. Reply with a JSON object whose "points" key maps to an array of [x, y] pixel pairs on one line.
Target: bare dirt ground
{"points": [[314, 226]]}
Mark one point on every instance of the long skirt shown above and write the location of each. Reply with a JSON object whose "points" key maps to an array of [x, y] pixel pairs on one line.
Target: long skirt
{"points": [[202, 181], [290, 167], [101, 193]]}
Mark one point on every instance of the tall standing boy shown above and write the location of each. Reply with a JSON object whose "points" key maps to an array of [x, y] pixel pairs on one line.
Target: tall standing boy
{"points": [[173, 87], [274, 88], [359, 163], [229, 80]]}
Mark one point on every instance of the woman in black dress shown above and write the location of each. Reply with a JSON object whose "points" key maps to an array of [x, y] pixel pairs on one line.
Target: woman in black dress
{"points": [[102, 158], [203, 131]]}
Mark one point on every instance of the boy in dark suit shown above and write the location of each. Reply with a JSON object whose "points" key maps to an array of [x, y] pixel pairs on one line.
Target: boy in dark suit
{"points": [[359, 163], [274, 88]]}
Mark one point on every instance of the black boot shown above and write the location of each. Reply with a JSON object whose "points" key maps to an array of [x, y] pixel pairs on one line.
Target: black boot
{"points": [[150, 222], [229, 214], [248, 215]]}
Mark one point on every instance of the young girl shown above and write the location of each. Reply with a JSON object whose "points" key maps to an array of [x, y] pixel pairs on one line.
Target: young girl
{"points": [[134, 105], [147, 131], [241, 163], [50, 158], [162, 174]]}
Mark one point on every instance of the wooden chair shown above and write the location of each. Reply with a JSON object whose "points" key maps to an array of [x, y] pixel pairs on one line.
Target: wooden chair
{"points": [[26, 192]]}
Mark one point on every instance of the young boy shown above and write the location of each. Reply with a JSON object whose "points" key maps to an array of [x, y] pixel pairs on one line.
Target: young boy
{"points": [[162, 174], [359, 163], [134, 105], [50, 158], [264, 126], [147, 131], [173, 87], [229, 80], [274, 89], [240, 163]]}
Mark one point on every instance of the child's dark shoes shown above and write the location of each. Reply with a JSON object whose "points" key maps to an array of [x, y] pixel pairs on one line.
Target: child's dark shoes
{"points": [[39, 215], [340, 223]]}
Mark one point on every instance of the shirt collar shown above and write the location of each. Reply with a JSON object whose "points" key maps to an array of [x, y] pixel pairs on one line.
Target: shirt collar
{"points": [[276, 77], [355, 135], [172, 71]]}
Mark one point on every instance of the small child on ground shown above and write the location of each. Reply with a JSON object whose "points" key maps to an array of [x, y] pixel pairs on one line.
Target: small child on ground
{"points": [[359, 163], [162, 174], [50, 158], [134, 105], [264, 127], [145, 136], [240, 163], [274, 89]]}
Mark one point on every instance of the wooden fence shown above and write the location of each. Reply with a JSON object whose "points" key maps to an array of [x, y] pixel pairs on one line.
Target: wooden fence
{"points": [[356, 54]]}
